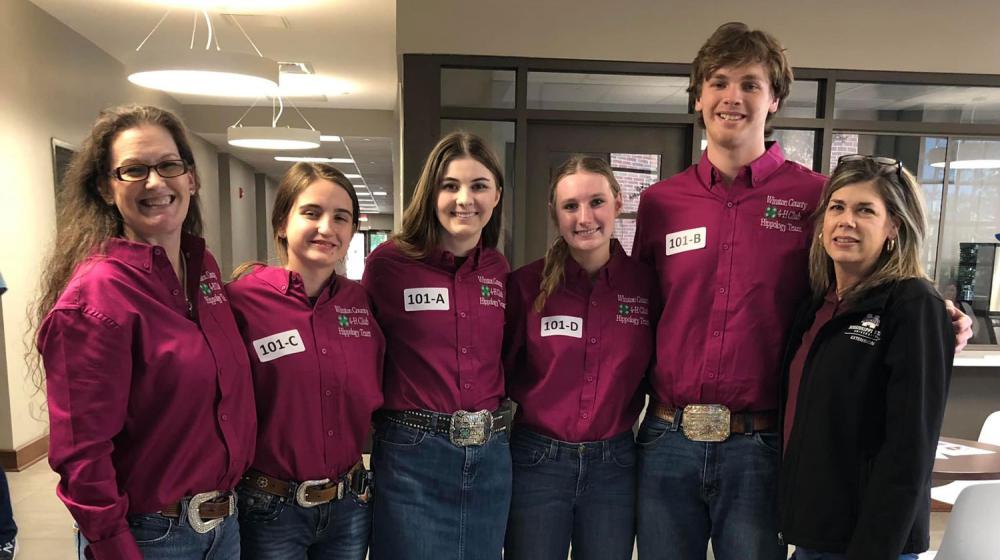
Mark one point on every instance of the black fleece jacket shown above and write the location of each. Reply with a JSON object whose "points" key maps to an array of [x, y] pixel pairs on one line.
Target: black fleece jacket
{"points": [[855, 477]]}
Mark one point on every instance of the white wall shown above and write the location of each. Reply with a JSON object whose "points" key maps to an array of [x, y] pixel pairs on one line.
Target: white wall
{"points": [[271, 189], [917, 35], [244, 213]]}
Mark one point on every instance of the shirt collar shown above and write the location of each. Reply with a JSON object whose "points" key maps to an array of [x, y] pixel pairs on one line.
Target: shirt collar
{"points": [[576, 277], [758, 170], [285, 281], [140, 255], [439, 258]]}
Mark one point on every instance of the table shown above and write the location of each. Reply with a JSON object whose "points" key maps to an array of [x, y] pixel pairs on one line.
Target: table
{"points": [[968, 467]]}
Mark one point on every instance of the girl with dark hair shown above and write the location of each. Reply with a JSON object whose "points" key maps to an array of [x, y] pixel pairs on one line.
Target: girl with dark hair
{"points": [[149, 392], [866, 374], [441, 455], [316, 354], [578, 341]]}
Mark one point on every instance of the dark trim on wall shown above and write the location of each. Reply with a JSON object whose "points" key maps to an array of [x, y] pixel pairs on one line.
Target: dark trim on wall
{"points": [[27, 455], [260, 200], [225, 216]]}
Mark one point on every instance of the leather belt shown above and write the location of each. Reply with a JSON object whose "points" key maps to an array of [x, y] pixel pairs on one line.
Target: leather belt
{"points": [[714, 422], [311, 493], [462, 428], [205, 511]]}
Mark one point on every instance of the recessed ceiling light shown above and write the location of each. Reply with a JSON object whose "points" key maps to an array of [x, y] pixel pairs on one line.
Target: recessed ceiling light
{"points": [[329, 138], [363, 219], [380, 193], [352, 176]]}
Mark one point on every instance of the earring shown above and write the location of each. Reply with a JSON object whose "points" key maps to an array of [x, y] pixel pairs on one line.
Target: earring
{"points": [[890, 245], [820, 236]]}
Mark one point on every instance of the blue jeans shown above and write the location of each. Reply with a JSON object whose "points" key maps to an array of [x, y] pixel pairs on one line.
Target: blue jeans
{"points": [[690, 492], [436, 501], [8, 529], [169, 538], [276, 528], [806, 554], [579, 492]]}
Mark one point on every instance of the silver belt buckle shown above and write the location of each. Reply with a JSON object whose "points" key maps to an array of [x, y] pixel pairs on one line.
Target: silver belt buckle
{"points": [[300, 492], [194, 516], [470, 428], [706, 422]]}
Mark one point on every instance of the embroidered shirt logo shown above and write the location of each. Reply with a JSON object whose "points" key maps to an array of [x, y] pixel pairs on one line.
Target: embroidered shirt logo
{"points": [[866, 331], [491, 292], [353, 322], [784, 214], [211, 288], [633, 310]]}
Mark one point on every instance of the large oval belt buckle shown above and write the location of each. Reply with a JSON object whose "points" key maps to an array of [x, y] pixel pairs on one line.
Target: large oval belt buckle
{"points": [[706, 422], [300, 493], [194, 513]]}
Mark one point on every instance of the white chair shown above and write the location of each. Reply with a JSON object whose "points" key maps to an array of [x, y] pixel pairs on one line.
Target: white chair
{"points": [[972, 532], [990, 433]]}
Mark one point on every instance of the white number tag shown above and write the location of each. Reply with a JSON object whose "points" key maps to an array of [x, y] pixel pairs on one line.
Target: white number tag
{"points": [[278, 345], [686, 240], [425, 299], [562, 325]]}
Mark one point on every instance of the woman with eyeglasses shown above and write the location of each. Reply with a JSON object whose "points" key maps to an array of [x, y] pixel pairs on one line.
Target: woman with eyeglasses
{"points": [[149, 392], [866, 374], [316, 354], [579, 337], [441, 457]]}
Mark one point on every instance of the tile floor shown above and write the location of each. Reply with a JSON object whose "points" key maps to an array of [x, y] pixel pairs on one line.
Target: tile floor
{"points": [[46, 528]]}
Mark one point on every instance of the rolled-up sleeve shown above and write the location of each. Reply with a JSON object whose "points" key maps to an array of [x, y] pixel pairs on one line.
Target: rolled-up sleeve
{"points": [[88, 368]]}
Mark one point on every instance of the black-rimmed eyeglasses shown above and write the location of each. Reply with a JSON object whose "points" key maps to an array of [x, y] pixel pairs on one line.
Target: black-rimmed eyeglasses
{"points": [[140, 171]]}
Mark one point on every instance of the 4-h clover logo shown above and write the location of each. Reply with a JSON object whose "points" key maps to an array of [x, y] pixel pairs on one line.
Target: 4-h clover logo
{"points": [[771, 212], [484, 290], [342, 319], [624, 309], [205, 289]]}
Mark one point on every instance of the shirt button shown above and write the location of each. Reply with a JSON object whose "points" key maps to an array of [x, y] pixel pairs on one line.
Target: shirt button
{"points": [[323, 351], [225, 417], [594, 303], [584, 416], [725, 246], [158, 251], [328, 392], [329, 433], [175, 292], [729, 205], [593, 341], [711, 375], [722, 290], [462, 314], [716, 333], [145, 265], [590, 379], [465, 350], [467, 385]]}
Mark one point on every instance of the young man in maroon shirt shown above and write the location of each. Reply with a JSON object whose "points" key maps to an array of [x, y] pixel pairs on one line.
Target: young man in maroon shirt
{"points": [[729, 239]]}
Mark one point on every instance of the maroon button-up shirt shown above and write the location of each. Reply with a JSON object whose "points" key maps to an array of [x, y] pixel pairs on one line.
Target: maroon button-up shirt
{"points": [[443, 324], [146, 404], [732, 266], [575, 368], [317, 371]]}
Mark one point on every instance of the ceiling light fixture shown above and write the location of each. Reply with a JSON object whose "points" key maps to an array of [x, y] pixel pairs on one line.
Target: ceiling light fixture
{"points": [[971, 154], [309, 159], [380, 193], [204, 72], [327, 138], [352, 176], [273, 137]]}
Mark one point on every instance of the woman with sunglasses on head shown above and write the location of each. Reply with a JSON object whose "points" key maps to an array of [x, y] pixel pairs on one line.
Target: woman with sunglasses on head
{"points": [[149, 390], [867, 373], [578, 340], [316, 354], [441, 457]]}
